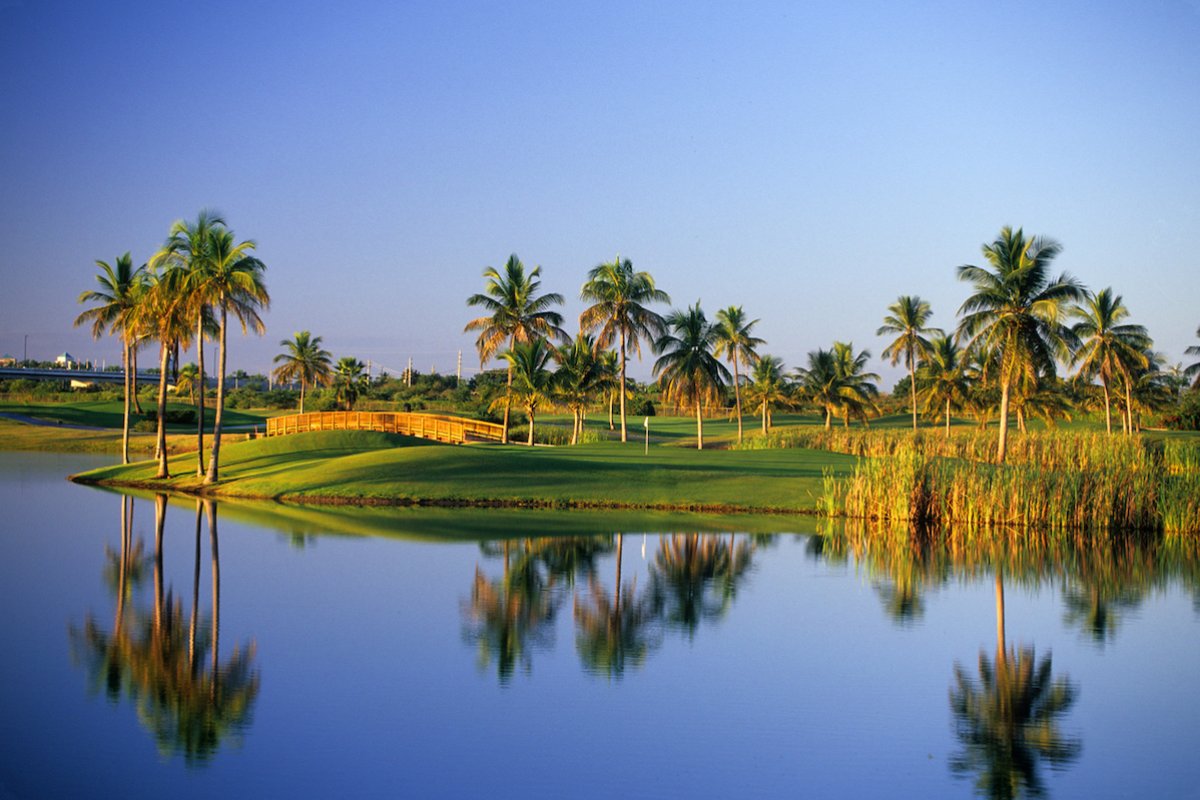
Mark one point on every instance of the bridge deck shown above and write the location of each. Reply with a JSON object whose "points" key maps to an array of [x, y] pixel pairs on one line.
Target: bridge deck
{"points": [[438, 427]]}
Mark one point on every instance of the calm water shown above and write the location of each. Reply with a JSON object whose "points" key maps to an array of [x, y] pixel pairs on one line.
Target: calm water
{"points": [[369, 652]]}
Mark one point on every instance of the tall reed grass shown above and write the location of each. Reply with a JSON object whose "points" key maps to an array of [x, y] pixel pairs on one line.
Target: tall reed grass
{"points": [[1052, 482]]}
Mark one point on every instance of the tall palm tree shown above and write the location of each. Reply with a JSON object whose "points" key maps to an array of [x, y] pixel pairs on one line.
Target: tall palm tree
{"points": [[856, 389], [1017, 310], [1108, 349], [304, 360], [349, 380], [121, 287], [736, 344], [767, 387], [163, 314], [515, 313], [907, 319], [189, 249], [688, 370], [619, 297], [578, 378], [531, 380], [942, 378], [234, 283], [1193, 370]]}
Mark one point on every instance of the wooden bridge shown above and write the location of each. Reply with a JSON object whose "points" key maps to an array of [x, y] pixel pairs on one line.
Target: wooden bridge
{"points": [[439, 427]]}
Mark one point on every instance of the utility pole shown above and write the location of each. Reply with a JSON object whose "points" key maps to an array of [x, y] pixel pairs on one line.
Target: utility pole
{"points": [[458, 373], [26, 356], [408, 382]]}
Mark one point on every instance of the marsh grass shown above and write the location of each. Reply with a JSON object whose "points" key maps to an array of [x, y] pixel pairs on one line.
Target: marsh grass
{"points": [[1053, 482]]}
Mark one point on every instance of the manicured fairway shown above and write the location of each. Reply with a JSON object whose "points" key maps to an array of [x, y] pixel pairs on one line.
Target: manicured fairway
{"points": [[344, 466]]}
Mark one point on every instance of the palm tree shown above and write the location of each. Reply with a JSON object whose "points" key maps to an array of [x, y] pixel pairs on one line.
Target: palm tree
{"points": [[349, 380], [516, 313], [907, 319], [531, 380], [1017, 311], [163, 315], [819, 382], [688, 370], [856, 389], [578, 378], [610, 380], [1108, 349], [189, 249], [736, 344], [120, 291], [619, 297], [1193, 371], [943, 377], [304, 360], [767, 387], [187, 380], [234, 283]]}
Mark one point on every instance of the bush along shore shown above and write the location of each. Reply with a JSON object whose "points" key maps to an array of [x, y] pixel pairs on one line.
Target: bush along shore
{"points": [[1053, 482]]}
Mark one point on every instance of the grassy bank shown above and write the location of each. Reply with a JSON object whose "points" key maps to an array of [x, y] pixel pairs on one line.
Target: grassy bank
{"points": [[362, 467]]}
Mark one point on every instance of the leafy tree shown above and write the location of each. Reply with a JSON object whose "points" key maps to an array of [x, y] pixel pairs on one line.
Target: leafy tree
{"points": [[516, 314], [619, 297], [907, 319], [856, 389], [767, 387], [736, 343], [121, 288], [688, 370], [1193, 370], [1017, 311], [943, 378], [1108, 349], [349, 381], [578, 379], [819, 382], [188, 250], [532, 382], [304, 360], [234, 284]]}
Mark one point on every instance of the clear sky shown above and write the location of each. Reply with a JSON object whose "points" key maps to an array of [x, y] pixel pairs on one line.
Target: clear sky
{"points": [[810, 162]]}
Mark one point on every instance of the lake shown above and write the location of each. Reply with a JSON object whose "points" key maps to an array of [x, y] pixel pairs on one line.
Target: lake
{"points": [[268, 650]]}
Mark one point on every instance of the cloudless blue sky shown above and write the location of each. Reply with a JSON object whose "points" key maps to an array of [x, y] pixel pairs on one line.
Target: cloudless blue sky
{"points": [[810, 162]]}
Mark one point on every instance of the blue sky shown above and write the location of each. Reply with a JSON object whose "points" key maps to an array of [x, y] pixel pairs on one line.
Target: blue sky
{"points": [[808, 162]]}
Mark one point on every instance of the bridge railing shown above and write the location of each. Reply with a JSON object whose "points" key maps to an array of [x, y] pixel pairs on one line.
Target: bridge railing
{"points": [[439, 427]]}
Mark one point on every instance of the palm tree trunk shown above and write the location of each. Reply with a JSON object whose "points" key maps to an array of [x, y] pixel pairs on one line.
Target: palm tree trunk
{"points": [[214, 461], [621, 388], [302, 395], [828, 418], [129, 382], [1129, 408], [737, 396], [161, 439], [1107, 408], [1002, 447], [508, 394], [699, 427], [137, 404], [947, 417], [764, 417], [529, 413], [611, 403], [912, 387], [200, 409]]}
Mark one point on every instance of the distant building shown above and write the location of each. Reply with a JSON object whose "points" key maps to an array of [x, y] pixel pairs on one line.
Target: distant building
{"points": [[66, 360], [7, 361]]}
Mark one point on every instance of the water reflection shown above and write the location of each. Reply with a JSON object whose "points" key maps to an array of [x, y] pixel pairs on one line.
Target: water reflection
{"points": [[615, 631], [1008, 720], [170, 669]]}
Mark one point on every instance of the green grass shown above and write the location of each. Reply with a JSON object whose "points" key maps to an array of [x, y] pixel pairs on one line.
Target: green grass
{"points": [[108, 413], [350, 466]]}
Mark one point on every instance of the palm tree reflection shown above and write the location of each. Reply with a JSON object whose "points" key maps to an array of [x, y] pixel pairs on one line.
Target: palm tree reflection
{"points": [[694, 578], [156, 659], [613, 631], [1007, 721]]}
